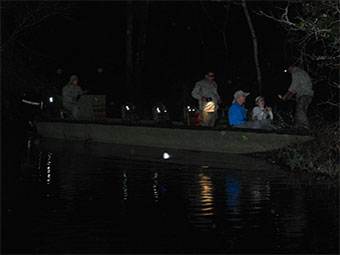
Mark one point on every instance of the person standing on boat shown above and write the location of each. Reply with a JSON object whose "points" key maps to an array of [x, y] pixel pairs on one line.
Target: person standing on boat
{"points": [[205, 91], [301, 86], [71, 93], [237, 114]]}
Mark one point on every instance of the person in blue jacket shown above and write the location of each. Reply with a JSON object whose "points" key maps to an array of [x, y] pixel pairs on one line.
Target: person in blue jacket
{"points": [[237, 114]]}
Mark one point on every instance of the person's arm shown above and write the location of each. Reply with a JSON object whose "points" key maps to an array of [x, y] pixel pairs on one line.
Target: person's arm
{"points": [[219, 100], [270, 111], [235, 116], [67, 97], [288, 95], [256, 112], [292, 88], [196, 92]]}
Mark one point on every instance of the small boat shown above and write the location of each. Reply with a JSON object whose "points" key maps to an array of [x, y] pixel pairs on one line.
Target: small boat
{"points": [[175, 136]]}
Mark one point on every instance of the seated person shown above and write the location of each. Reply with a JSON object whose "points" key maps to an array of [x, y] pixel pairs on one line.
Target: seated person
{"points": [[237, 114], [71, 93], [262, 112]]}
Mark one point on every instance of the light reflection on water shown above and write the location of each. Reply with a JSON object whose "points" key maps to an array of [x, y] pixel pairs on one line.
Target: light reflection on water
{"points": [[139, 206], [233, 202]]}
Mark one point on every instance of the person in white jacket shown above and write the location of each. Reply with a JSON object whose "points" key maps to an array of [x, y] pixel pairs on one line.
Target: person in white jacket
{"points": [[261, 111], [205, 91]]}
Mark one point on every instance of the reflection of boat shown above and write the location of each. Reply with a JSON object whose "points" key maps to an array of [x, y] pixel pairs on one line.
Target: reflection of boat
{"points": [[225, 140]]}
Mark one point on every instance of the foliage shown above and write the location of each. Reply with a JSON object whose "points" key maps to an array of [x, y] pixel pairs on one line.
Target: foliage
{"points": [[313, 34], [320, 156], [20, 59]]}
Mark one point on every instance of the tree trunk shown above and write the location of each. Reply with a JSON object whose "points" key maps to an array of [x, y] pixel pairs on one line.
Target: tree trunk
{"points": [[129, 49], [252, 31], [143, 11]]}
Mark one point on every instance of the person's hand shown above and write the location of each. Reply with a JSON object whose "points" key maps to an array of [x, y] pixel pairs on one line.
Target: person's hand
{"points": [[269, 109], [204, 99], [254, 118]]}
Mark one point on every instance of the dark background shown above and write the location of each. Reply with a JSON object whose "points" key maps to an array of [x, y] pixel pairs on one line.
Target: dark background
{"points": [[182, 43]]}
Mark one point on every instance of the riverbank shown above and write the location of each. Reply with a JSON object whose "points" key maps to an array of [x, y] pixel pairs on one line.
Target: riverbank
{"points": [[319, 156]]}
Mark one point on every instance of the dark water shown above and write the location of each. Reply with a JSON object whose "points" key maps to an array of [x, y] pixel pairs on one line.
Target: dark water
{"points": [[80, 202]]}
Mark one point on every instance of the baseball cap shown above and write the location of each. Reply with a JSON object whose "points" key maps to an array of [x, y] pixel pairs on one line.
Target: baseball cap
{"points": [[240, 93]]}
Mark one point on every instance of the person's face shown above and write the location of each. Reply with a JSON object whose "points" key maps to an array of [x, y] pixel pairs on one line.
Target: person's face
{"points": [[241, 100], [75, 82], [210, 76], [291, 69], [261, 103]]}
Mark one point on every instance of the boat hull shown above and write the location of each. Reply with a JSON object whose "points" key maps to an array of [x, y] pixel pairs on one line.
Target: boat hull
{"points": [[224, 141]]}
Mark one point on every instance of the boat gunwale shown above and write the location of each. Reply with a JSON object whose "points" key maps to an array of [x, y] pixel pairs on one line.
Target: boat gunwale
{"points": [[184, 127]]}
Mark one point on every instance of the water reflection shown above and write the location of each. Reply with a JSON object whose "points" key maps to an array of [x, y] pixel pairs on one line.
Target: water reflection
{"points": [[125, 186], [39, 166], [48, 168], [155, 186], [259, 192], [201, 202], [207, 199], [233, 201], [205, 210]]}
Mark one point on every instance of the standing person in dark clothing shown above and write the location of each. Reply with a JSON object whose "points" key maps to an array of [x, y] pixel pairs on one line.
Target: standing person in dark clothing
{"points": [[301, 86]]}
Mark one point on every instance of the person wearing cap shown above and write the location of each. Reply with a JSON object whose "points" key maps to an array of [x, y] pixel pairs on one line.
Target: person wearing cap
{"points": [[205, 91], [302, 87], [71, 93], [237, 114], [262, 112]]}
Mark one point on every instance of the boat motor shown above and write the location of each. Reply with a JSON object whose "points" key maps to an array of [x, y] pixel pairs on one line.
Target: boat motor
{"points": [[160, 114], [129, 114], [32, 105]]}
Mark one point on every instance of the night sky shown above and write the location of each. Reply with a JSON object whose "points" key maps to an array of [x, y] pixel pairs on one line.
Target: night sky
{"points": [[182, 42]]}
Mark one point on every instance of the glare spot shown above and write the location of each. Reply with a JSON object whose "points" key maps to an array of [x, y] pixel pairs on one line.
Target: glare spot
{"points": [[166, 155], [50, 99]]}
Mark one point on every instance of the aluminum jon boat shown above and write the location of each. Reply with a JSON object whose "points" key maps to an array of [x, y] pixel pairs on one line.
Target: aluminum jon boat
{"points": [[222, 140]]}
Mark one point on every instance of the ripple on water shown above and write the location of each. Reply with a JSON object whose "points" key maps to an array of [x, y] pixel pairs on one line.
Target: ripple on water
{"points": [[109, 204]]}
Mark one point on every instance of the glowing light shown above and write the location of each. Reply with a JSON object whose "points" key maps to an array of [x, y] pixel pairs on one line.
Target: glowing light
{"points": [[127, 107], [285, 71], [50, 99], [158, 110], [166, 155]]}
